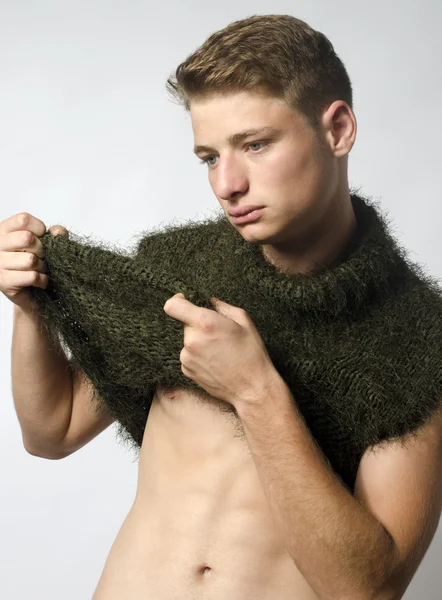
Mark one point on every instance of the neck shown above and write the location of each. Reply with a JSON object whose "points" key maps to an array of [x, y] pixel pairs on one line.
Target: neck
{"points": [[327, 245]]}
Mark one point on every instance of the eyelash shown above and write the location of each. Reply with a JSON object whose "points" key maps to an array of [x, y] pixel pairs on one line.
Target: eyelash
{"points": [[206, 158]]}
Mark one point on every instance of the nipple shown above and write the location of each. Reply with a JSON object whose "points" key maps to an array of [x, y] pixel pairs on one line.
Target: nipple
{"points": [[171, 393]]}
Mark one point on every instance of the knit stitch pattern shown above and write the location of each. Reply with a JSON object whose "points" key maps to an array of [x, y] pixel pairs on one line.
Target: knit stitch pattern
{"points": [[358, 344]]}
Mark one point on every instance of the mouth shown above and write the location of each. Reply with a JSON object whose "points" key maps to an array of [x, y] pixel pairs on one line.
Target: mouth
{"points": [[250, 217], [240, 211]]}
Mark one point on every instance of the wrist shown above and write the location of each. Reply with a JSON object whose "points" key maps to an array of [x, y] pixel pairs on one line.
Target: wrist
{"points": [[268, 386]]}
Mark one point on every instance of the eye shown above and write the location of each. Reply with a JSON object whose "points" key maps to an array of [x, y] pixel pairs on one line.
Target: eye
{"points": [[205, 160]]}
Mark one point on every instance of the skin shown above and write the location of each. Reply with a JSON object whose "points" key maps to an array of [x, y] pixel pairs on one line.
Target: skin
{"points": [[200, 525], [302, 180]]}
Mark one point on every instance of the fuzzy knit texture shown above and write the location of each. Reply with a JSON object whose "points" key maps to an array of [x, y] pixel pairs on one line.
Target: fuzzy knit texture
{"points": [[359, 344]]}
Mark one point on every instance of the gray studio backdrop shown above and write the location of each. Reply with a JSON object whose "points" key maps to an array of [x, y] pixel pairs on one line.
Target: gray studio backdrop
{"points": [[90, 140]]}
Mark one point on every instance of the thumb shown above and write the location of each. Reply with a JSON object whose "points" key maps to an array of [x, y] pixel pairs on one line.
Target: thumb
{"points": [[58, 230]]}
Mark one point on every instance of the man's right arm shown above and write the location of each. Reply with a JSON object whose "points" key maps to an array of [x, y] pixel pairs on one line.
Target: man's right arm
{"points": [[52, 404]]}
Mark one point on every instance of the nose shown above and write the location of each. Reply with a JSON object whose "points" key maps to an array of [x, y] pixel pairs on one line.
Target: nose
{"points": [[229, 188]]}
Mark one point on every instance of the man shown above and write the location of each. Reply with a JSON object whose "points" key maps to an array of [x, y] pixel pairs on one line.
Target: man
{"points": [[260, 514]]}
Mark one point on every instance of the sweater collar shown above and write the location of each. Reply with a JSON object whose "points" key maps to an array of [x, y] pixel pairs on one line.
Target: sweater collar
{"points": [[371, 268]]}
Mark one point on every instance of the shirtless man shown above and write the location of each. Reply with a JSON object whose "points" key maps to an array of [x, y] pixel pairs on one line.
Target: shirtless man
{"points": [[208, 520]]}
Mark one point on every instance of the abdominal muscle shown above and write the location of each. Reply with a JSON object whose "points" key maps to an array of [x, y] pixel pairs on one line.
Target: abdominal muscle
{"points": [[200, 527]]}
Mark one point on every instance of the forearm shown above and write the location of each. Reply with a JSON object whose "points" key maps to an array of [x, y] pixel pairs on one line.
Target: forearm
{"points": [[41, 383], [340, 548]]}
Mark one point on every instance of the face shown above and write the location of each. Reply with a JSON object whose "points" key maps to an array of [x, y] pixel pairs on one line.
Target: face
{"points": [[294, 177]]}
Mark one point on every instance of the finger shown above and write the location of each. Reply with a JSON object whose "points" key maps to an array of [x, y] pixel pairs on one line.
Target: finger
{"points": [[183, 310], [23, 221]]}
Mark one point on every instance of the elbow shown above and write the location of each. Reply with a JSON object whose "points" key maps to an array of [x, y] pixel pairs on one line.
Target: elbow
{"points": [[43, 447], [47, 455]]}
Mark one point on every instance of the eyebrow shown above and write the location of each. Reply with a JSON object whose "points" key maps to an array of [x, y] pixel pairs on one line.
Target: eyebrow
{"points": [[238, 137]]}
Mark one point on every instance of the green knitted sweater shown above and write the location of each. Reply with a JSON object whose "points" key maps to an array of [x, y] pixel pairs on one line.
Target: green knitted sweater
{"points": [[359, 344]]}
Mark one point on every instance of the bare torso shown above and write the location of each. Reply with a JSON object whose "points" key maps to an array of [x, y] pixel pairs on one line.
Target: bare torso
{"points": [[200, 527]]}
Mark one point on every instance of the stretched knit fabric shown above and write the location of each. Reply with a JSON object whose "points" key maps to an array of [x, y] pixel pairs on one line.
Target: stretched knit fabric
{"points": [[359, 344]]}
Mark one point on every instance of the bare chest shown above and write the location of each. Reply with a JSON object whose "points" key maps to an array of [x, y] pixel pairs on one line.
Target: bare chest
{"points": [[200, 526]]}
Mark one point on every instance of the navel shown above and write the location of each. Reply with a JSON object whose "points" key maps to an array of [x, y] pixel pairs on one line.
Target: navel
{"points": [[205, 570]]}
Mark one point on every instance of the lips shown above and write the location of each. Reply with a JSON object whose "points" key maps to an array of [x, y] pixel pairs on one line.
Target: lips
{"points": [[249, 217], [242, 210]]}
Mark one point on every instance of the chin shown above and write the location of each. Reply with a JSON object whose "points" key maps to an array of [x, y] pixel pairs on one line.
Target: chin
{"points": [[252, 235]]}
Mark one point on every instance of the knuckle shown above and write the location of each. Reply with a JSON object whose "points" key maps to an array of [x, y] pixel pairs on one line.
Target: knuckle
{"points": [[28, 238], [189, 345], [23, 218], [245, 315], [207, 322]]}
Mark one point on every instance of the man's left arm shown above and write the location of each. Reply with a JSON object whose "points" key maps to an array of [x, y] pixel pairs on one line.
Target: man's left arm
{"points": [[340, 548]]}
